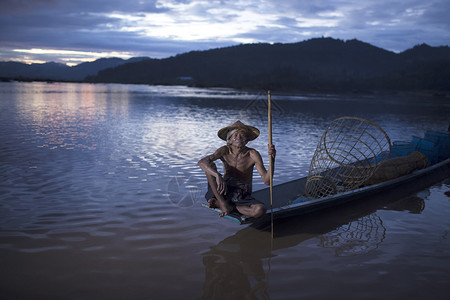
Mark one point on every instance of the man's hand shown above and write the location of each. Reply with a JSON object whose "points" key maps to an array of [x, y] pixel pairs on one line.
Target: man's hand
{"points": [[221, 184], [272, 151]]}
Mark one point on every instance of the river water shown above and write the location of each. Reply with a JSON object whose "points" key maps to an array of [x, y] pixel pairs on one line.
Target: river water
{"points": [[100, 198]]}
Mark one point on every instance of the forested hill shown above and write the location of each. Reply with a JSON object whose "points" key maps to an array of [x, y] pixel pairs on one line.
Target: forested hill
{"points": [[59, 72], [322, 64]]}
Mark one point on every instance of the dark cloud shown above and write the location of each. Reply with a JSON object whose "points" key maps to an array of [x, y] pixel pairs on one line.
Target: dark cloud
{"points": [[103, 25], [437, 16], [75, 6]]}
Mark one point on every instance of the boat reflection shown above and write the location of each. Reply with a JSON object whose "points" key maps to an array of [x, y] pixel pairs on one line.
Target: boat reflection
{"points": [[239, 266]]}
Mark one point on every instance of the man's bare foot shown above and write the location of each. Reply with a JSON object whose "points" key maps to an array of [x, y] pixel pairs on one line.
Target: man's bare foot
{"points": [[225, 208], [213, 203], [224, 213]]}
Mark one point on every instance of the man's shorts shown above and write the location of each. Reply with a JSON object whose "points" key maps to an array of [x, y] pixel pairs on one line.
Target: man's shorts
{"points": [[238, 193]]}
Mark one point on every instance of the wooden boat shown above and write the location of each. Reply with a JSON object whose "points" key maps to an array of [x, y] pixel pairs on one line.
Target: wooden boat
{"points": [[289, 197]]}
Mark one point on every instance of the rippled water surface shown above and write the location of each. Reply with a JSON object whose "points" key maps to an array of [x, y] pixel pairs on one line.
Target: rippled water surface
{"points": [[100, 198]]}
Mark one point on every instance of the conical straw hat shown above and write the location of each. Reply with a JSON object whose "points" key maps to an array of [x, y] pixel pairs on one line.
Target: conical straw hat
{"points": [[252, 132]]}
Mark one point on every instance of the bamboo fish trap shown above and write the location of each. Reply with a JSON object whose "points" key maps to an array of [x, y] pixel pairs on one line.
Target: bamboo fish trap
{"points": [[348, 153]]}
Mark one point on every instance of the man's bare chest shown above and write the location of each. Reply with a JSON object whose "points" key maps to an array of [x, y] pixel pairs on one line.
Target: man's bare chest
{"points": [[241, 162]]}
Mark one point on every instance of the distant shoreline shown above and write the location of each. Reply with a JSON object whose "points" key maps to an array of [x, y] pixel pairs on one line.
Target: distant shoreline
{"points": [[286, 92]]}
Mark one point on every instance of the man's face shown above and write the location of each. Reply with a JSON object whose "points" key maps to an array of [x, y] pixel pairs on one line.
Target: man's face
{"points": [[239, 138]]}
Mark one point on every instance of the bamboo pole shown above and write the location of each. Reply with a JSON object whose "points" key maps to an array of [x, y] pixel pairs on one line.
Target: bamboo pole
{"points": [[269, 109]]}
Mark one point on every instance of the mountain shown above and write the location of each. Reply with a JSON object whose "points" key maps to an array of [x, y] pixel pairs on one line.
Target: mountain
{"points": [[55, 71], [321, 64], [315, 65], [424, 52], [45, 71]]}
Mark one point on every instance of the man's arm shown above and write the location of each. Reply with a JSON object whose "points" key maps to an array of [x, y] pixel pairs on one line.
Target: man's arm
{"points": [[260, 165], [206, 164]]}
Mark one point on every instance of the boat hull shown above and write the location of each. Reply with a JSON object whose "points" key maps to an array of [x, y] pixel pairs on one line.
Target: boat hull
{"points": [[283, 205]]}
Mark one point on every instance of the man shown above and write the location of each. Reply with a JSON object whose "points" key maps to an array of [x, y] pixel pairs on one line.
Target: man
{"points": [[233, 189]]}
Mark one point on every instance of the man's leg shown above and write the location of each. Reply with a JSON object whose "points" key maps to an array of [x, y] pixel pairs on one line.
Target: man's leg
{"points": [[210, 195], [219, 201], [254, 210]]}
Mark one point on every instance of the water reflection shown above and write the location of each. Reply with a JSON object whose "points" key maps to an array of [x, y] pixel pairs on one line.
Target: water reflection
{"points": [[234, 268], [240, 265], [357, 237], [67, 115]]}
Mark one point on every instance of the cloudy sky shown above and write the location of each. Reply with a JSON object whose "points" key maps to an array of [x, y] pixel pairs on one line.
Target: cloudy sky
{"points": [[74, 31]]}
